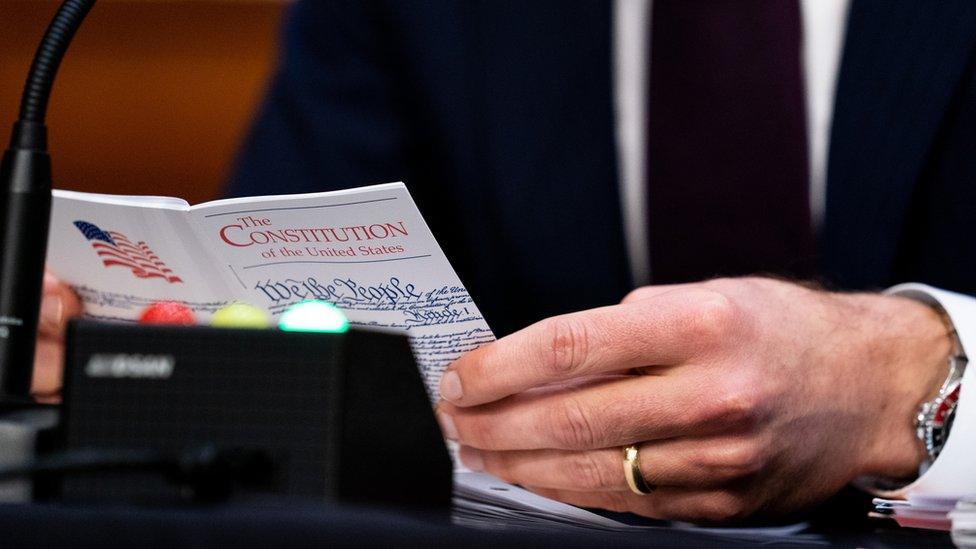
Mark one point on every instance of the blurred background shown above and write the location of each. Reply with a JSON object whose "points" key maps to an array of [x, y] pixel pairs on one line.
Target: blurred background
{"points": [[153, 97]]}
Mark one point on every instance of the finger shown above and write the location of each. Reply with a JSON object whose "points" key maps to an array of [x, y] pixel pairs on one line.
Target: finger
{"points": [[48, 367], [685, 463], [647, 292], [58, 304], [667, 329], [702, 506], [615, 412]]}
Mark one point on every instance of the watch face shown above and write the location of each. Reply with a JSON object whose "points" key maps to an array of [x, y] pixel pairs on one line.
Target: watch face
{"points": [[941, 423]]}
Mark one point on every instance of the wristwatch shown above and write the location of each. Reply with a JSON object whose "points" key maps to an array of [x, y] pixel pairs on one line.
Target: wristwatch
{"points": [[934, 419]]}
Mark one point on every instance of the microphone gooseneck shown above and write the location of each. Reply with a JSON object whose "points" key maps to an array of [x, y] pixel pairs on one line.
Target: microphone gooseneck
{"points": [[25, 184], [40, 80]]}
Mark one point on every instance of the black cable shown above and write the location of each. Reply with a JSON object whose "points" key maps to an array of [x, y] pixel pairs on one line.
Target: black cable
{"points": [[210, 472], [90, 461], [50, 52]]}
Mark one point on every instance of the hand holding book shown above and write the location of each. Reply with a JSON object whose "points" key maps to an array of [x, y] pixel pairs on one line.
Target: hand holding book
{"points": [[58, 305]]}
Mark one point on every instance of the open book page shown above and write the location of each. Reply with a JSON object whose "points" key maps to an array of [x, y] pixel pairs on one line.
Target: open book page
{"points": [[127, 199], [366, 250], [121, 254]]}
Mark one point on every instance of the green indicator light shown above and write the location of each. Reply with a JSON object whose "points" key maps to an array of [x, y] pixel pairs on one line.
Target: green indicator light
{"points": [[314, 316]]}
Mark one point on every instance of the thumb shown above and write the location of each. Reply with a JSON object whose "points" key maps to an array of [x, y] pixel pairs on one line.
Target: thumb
{"points": [[58, 304]]}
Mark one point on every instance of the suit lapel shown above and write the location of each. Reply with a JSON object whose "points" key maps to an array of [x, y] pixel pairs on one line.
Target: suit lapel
{"points": [[902, 62], [548, 115]]}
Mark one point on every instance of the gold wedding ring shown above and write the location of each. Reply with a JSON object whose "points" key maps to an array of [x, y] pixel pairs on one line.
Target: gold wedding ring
{"points": [[632, 472]]}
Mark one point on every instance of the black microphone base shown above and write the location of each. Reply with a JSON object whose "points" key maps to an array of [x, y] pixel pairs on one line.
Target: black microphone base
{"points": [[26, 430]]}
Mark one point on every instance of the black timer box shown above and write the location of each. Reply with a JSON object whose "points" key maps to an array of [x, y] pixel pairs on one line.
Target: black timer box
{"points": [[342, 417]]}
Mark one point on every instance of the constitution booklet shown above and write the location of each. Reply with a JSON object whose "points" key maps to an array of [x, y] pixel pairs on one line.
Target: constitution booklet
{"points": [[366, 250]]}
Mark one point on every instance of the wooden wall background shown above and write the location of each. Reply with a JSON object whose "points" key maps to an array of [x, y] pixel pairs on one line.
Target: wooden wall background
{"points": [[154, 97]]}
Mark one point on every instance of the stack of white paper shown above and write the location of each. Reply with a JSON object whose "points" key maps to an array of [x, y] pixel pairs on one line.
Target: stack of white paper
{"points": [[483, 501], [964, 522], [918, 511]]}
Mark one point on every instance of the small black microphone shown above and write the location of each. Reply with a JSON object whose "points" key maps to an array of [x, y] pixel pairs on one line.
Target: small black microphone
{"points": [[25, 181]]}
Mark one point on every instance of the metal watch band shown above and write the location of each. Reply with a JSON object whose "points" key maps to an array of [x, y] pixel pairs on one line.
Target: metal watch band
{"points": [[934, 418]]}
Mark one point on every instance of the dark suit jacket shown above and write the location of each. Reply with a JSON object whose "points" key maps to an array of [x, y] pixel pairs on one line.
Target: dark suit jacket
{"points": [[498, 116]]}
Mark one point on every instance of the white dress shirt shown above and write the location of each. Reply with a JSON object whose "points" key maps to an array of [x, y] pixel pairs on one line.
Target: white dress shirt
{"points": [[823, 27]]}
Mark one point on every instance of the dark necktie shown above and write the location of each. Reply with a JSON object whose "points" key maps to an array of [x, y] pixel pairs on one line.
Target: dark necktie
{"points": [[727, 158]]}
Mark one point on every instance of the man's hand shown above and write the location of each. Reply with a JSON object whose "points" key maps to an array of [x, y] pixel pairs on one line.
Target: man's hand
{"points": [[58, 304], [746, 397]]}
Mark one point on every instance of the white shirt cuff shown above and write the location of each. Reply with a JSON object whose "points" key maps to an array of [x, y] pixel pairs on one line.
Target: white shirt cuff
{"points": [[953, 474]]}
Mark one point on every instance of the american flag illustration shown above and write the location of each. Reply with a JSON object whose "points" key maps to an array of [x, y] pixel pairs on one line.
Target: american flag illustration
{"points": [[115, 249]]}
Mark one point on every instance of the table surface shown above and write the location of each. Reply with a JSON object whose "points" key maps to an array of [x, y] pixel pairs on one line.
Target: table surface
{"points": [[291, 524]]}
